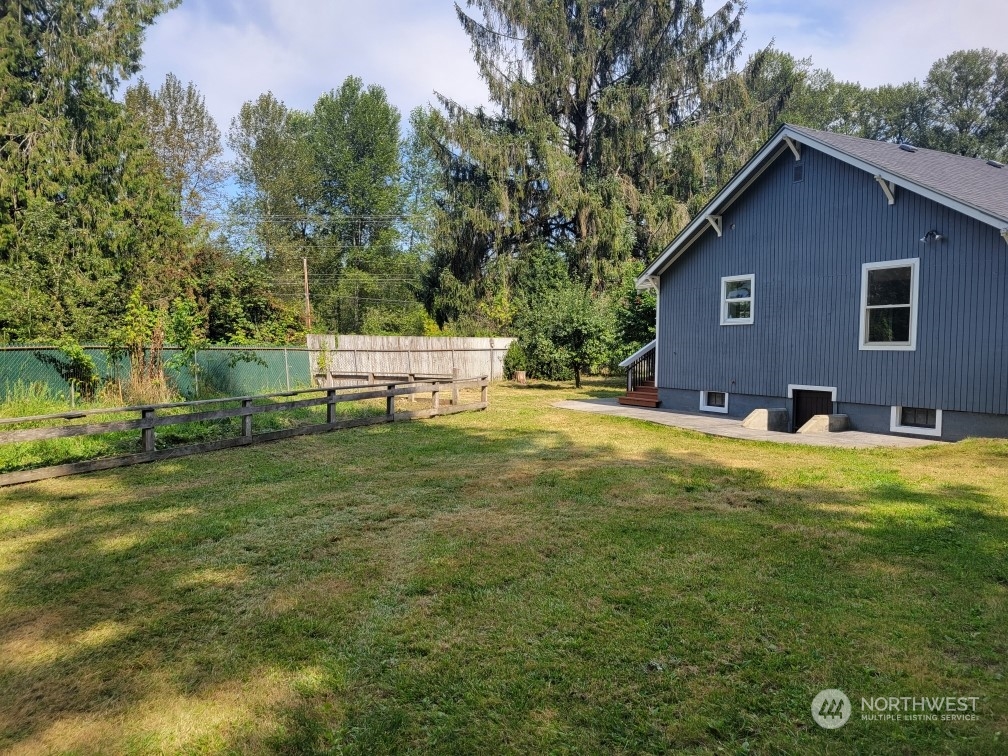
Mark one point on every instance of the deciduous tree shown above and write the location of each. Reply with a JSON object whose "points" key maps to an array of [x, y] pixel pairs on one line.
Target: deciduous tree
{"points": [[186, 140]]}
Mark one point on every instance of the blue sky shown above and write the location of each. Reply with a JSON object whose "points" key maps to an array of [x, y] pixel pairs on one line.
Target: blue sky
{"points": [[235, 50]]}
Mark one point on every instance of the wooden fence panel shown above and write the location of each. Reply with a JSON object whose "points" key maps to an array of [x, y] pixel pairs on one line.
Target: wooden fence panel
{"points": [[150, 421]]}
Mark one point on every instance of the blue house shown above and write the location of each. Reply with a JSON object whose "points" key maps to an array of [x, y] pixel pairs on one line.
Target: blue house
{"points": [[838, 275]]}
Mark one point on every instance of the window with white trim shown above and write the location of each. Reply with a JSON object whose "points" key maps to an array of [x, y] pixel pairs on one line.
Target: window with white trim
{"points": [[919, 421], [737, 299], [714, 401], [889, 304]]}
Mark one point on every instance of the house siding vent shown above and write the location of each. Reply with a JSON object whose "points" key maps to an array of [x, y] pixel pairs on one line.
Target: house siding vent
{"points": [[799, 172]]}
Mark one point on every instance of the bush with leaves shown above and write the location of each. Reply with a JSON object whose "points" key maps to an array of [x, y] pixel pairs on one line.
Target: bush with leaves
{"points": [[75, 367], [568, 331], [515, 359], [635, 316]]}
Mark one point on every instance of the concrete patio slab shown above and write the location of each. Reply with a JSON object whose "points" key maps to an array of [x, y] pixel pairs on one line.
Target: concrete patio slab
{"points": [[721, 426]]}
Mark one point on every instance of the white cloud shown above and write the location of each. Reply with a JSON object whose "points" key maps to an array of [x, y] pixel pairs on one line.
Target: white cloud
{"points": [[236, 50], [880, 42], [300, 50]]}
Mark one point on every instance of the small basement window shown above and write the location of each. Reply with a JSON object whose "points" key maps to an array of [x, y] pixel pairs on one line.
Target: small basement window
{"points": [[737, 299], [889, 305], [921, 421], [714, 401]]}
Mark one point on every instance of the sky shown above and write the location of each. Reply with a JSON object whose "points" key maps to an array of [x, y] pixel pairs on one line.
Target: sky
{"points": [[234, 50]]}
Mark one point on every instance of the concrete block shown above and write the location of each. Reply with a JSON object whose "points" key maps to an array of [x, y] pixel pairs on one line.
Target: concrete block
{"points": [[826, 424], [768, 420]]}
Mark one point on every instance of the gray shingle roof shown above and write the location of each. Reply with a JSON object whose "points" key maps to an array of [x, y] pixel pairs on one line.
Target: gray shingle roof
{"points": [[968, 185], [970, 181]]}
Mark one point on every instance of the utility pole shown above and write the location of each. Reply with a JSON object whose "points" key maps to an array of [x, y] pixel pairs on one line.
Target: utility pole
{"points": [[307, 301]]}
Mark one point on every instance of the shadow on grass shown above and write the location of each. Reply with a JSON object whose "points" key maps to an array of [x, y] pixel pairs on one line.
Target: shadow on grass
{"points": [[599, 388], [459, 586]]}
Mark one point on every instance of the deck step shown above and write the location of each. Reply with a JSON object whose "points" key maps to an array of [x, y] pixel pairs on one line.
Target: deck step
{"points": [[637, 400]]}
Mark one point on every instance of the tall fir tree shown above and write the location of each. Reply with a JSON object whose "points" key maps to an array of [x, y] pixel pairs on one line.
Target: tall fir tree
{"points": [[611, 122], [84, 211]]}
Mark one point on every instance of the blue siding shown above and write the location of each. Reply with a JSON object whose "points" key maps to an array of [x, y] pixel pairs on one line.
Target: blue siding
{"points": [[806, 242]]}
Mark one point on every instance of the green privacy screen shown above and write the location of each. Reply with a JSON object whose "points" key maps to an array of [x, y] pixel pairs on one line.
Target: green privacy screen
{"points": [[220, 371]]}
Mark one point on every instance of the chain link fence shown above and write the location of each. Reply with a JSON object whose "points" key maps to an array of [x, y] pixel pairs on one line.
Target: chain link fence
{"points": [[209, 373]]}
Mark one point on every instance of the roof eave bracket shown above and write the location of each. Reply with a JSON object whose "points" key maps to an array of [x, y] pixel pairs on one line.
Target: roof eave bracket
{"points": [[715, 222], [889, 188], [795, 147], [648, 282], [1004, 234]]}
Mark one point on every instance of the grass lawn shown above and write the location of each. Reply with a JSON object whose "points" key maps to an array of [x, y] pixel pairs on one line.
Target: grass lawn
{"points": [[525, 579]]}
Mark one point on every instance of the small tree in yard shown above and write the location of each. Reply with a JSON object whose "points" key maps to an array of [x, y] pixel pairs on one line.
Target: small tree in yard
{"points": [[580, 326]]}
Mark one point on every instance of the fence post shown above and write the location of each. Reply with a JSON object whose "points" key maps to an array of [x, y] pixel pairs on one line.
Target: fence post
{"points": [[436, 397], [455, 393], [390, 402], [246, 418], [287, 368], [147, 433], [330, 412], [484, 385]]}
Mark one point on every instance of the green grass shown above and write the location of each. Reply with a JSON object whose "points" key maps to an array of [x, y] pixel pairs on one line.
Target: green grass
{"points": [[524, 579]]}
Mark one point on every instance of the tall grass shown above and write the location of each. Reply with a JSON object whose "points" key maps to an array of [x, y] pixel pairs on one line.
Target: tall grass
{"points": [[24, 398]]}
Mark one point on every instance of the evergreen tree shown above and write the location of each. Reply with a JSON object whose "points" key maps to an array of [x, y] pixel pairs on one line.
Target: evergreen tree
{"points": [[612, 120], [84, 212]]}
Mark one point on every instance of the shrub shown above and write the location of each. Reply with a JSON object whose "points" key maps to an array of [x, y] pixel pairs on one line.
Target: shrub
{"points": [[515, 359]]}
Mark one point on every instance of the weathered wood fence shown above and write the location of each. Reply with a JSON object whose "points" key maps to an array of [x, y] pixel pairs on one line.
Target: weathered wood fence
{"points": [[149, 421], [337, 359]]}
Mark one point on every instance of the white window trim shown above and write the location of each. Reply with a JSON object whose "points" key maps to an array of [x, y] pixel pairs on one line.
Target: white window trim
{"points": [[792, 387], [725, 320], [895, 427], [914, 264], [704, 407]]}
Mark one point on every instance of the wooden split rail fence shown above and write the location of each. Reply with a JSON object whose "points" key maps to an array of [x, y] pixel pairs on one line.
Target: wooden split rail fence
{"points": [[149, 421]]}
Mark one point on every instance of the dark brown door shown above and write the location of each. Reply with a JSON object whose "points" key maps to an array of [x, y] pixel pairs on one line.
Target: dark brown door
{"points": [[809, 403]]}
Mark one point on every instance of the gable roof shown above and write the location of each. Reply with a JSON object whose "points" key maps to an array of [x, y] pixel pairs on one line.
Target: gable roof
{"points": [[972, 186]]}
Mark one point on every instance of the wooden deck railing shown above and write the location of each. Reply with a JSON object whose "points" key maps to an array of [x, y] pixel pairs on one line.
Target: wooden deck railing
{"points": [[641, 371], [149, 421]]}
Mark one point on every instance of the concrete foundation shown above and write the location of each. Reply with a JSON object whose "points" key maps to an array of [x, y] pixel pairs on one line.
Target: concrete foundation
{"points": [[768, 420], [869, 418], [826, 424]]}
